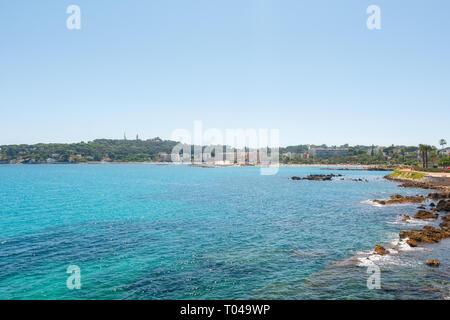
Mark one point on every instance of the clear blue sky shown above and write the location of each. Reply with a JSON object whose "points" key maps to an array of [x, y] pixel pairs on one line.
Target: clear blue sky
{"points": [[309, 68]]}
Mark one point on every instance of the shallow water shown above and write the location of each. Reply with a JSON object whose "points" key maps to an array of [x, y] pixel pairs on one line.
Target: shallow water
{"points": [[140, 231]]}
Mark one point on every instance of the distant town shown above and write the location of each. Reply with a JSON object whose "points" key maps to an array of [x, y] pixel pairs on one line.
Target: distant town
{"points": [[158, 150]]}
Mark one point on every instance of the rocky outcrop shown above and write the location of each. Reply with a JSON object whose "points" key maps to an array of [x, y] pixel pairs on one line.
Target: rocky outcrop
{"points": [[422, 214], [428, 234], [401, 199], [318, 177], [380, 250], [411, 183], [360, 180], [433, 263], [443, 204]]}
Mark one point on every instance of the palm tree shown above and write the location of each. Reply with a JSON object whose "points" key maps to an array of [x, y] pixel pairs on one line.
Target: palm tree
{"points": [[428, 149], [442, 142], [424, 149], [422, 153]]}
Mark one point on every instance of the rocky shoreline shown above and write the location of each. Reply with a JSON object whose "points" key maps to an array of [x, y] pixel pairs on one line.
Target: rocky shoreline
{"points": [[421, 184], [439, 207]]}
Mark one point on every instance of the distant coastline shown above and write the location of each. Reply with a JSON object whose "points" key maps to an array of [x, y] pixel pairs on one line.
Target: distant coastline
{"points": [[157, 150]]}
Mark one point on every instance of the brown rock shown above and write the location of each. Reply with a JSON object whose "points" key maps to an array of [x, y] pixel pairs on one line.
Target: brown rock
{"points": [[433, 263], [443, 205], [427, 235], [412, 243], [406, 218], [400, 199], [438, 196], [380, 250], [422, 214], [445, 224]]}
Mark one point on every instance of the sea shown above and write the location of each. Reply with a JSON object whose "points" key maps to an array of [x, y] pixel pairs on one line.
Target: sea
{"points": [[149, 232]]}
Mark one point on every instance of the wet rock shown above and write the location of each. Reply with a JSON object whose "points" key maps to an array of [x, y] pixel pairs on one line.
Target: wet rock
{"points": [[406, 183], [380, 250], [443, 205], [421, 207], [431, 205], [433, 263], [360, 180], [422, 214], [401, 199], [445, 224], [318, 177], [428, 234], [412, 243], [406, 218], [439, 196]]}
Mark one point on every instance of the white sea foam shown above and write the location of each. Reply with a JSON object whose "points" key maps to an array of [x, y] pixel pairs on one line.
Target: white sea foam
{"points": [[410, 222], [367, 258], [372, 203]]}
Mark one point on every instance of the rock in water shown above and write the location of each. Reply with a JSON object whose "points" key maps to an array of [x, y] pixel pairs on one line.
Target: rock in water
{"points": [[406, 218], [412, 243], [428, 234], [422, 214], [401, 199], [317, 177], [433, 263], [443, 205], [380, 250]]}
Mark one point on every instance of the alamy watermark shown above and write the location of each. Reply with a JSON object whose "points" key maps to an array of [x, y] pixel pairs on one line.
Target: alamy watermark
{"points": [[374, 280], [73, 22], [374, 20], [256, 147], [74, 280]]}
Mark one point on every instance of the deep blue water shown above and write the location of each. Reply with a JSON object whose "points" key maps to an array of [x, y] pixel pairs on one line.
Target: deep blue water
{"points": [[140, 231]]}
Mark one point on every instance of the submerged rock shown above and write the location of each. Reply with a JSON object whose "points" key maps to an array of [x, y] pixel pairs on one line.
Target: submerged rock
{"points": [[380, 250], [433, 263], [422, 214]]}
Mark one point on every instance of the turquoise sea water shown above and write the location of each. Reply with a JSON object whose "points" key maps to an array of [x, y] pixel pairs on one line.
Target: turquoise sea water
{"points": [[140, 231]]}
